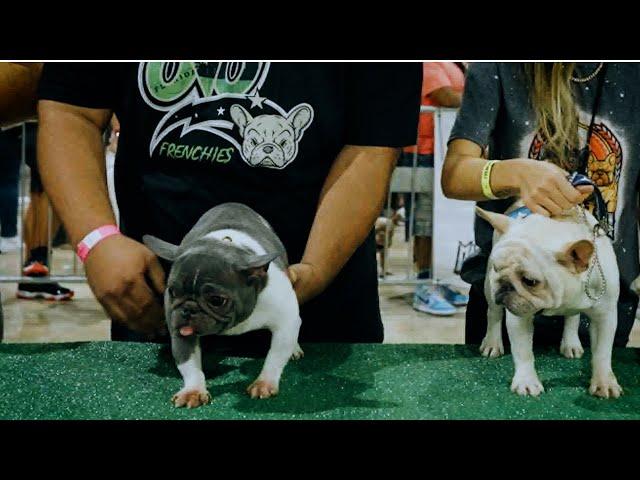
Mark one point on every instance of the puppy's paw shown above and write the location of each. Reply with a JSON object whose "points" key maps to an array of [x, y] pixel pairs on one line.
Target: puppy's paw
{"points": [[262, 389], [605, 386], [191, 398], [571, 349], [491, 347], [527, 384], [297, 353]]}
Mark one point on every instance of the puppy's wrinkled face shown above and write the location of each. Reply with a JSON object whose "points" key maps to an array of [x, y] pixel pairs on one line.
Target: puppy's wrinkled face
{"points": [[212, 286], [518, 282], [531, 270]]}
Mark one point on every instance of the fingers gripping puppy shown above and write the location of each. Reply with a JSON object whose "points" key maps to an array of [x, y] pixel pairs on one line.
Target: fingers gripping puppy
{"points": [[228, 277]]}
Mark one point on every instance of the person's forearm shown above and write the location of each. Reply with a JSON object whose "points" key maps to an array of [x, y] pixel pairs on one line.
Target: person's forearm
{"points": [[351, 200], [72, 166], [18, 87], [461, 178]]}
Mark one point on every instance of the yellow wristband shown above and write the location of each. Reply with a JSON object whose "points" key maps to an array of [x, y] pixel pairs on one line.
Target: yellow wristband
{"points": [[485, 180]]}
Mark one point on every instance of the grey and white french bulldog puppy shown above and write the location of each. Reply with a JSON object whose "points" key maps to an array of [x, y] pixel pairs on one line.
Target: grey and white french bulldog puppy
{"points": [[228, 277], [540, 265]]}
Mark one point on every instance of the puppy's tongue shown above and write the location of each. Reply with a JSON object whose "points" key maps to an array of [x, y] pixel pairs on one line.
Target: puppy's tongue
{"points": [[186, 331]]}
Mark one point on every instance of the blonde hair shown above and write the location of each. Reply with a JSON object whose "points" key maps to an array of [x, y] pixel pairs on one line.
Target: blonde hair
{"points": [[556, 114]]}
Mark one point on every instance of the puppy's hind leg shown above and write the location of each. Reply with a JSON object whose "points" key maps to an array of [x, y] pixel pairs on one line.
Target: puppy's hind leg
{"points": [[492, 345], [570, 345]]}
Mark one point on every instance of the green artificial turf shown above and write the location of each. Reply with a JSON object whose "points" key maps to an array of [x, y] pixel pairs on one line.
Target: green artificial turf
{"points": [[115, 380]]}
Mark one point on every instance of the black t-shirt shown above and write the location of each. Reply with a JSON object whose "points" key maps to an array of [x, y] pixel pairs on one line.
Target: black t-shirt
{"points": [[197, 134]]}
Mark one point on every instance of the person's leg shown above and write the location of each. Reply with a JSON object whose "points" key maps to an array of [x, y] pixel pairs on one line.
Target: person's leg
{"points": [[36, 234], [422, 255], [476, 316], [36, 225], [9, 178]]}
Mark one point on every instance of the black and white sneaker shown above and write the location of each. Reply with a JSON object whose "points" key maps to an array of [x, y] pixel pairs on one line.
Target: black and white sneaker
{"points": [[48, 291]]}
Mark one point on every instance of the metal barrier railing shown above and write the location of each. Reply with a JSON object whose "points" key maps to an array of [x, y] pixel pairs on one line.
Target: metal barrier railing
{"points": [[410, 277]]}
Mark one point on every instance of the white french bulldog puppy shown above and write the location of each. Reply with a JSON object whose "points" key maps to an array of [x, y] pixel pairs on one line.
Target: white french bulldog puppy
{"points": [[271, 140], [540, 265], [228, 277]]}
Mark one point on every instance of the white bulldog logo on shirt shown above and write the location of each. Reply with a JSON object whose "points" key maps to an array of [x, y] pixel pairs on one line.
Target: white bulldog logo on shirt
{"points": [[271, 141]]}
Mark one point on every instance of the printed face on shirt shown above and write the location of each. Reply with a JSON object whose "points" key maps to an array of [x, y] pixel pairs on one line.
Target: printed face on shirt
{"points": [[223, 100]]}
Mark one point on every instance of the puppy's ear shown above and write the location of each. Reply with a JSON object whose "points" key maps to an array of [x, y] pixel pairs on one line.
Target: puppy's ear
{"points": [[255, 267], [497, 220], [576, 256], [240, 116], [161, 248], [300, 117]]}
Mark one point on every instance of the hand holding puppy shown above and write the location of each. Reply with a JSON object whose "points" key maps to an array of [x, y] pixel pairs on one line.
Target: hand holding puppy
{"points": [[542, 186], [306, 280], [127, 279]]}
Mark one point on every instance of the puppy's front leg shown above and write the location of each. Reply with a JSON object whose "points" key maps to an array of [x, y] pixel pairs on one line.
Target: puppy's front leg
{"points": [[602, 329], [570, 345], [284, 345], [492, 345], [186, 352], [525, 379]]}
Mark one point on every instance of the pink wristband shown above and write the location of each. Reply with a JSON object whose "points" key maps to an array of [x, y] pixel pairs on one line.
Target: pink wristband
{"points": [[93, 238]]}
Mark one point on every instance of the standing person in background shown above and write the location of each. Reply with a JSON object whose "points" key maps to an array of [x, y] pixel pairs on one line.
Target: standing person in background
{"points": [[18, 85], [442, 86], [18, 101], [36, 232], [543, 121]]}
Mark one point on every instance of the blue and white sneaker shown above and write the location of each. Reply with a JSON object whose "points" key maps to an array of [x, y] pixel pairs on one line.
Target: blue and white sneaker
{"points": [[452, 296], [430, 300]]}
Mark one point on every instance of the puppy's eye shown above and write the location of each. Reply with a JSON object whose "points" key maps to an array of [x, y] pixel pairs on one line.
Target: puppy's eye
{"points": [[217, 300], [530, 282]]}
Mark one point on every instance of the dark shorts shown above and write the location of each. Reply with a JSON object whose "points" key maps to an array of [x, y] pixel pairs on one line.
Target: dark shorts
{"points": [[423, 215]]}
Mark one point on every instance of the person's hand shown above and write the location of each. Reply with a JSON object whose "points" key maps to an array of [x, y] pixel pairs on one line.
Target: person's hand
{"points": [[127, 279], [306, 280], [544, 188]]}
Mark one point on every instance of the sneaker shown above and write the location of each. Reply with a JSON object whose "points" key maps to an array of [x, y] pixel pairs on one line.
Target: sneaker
{"points": [[35, 269], [453, 296], [9, 244], [429, 300], [48, 291]]}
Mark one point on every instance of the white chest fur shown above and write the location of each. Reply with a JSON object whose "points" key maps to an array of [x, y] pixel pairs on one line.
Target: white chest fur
{"points": [[276, 302]]}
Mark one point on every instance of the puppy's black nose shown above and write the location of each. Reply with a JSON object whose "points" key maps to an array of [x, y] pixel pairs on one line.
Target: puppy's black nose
{"points": [[267, 149], [504, 290]]}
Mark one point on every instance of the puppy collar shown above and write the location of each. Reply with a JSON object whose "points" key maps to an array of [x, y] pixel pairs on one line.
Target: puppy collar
{"points": [[522, 212], [577, 179]]}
